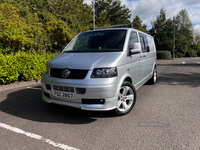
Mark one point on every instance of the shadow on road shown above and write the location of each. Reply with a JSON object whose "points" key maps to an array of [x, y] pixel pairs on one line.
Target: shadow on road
{"points": [[180, 74], [28, 104], [190, 79], [181, 65]]}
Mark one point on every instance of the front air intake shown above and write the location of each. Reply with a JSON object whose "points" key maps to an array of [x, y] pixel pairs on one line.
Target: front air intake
{"points": [[93, 101]]}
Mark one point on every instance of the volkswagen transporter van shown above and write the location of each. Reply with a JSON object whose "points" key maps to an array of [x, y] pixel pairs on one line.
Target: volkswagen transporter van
{"points": [[101, 70]]}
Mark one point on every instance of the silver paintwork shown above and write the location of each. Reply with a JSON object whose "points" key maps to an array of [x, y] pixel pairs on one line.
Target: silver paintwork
{"points": [[138, 68]]}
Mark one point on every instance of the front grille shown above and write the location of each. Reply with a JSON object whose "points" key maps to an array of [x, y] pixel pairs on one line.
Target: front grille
{"points": [[74, 73], [80, 90], [63, 88]]}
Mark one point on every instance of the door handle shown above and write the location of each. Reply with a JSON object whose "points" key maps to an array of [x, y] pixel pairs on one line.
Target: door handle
{"points": [[144, 56], [140, 57]]}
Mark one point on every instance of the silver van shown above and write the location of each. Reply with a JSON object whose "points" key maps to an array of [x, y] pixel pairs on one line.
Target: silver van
{"points": [[101, 70]]}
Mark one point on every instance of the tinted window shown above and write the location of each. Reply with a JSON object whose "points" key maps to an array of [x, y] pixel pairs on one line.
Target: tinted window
{"points": [[144, 43]]}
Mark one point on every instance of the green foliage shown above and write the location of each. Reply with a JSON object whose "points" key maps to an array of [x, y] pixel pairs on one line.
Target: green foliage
{"points": [[22, 66], [111, 12], [41, 25], [191, 53], [178, 55], [137, 24], [76, 13], [14, 31], [59, 33], [162, 30], [197, 37], [8, 69], [184, 33], [180, 29], [163, 54]]}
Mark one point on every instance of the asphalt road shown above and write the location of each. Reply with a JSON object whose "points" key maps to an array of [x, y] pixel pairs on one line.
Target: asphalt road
{"points": [[166, 117]]}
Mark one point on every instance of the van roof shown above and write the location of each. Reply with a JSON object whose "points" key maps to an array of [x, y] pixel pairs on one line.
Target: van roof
{"points": [[119, 29]]}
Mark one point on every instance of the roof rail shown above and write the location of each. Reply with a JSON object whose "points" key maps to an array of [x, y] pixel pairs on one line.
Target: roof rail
{"points": [[119, 25]]}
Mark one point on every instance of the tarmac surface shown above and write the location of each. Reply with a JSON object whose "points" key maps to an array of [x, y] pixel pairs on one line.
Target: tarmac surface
{"points": [[166, 116]]}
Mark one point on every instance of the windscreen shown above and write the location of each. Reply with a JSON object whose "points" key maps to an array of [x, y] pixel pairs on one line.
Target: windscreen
{"points": [[98, 41]]}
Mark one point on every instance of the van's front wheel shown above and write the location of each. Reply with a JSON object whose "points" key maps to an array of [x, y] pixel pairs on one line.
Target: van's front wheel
{"points": [[126, 99]]}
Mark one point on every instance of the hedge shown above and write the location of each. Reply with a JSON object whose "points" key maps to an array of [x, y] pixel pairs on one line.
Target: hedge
{"points": [[191, 53], [22, 66], [163, 54]]}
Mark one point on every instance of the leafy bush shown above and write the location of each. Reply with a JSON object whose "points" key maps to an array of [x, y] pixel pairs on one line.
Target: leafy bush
{"points": [[14, 31], [8, 69], [191, 53], [22, 66], [30, 32], [163, 55], [178, 55]]}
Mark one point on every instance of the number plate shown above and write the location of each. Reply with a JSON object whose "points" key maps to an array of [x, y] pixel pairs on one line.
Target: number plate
{"points": [[63, 94]]}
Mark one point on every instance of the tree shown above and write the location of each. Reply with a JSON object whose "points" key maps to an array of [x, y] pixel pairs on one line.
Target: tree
{"points": [[184, 35], [59, 34], [137, 24], [14, 31], [76, 13], [162, 31], [111, 12], [42, 24], [197, 37]]}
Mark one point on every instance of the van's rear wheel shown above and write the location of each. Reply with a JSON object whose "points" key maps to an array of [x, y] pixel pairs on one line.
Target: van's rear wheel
{"points": [[126, 99], [153, 79]]}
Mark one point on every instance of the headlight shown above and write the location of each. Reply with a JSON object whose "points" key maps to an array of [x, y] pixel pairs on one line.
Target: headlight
{"points": [[104, 72]]}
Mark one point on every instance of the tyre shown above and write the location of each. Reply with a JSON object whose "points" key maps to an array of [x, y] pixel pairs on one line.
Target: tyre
{"points": [[126, 99], [153, 79]]}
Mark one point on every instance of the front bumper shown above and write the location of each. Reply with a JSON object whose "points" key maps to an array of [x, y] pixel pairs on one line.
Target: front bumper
{"points": [[94, 89]]}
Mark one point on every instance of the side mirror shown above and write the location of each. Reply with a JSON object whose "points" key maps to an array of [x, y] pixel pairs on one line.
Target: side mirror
{"points": [[135, 48]]}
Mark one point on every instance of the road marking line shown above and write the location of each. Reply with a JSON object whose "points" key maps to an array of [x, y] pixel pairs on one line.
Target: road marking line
{"points": [[37, 137], [34, 88], [183, 62], [198, 62]]}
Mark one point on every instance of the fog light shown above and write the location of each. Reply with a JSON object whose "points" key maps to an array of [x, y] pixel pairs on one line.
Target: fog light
{"points": [[93, 101]]}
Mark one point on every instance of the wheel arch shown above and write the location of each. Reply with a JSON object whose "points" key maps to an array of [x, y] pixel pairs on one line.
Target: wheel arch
{"points": [[127, 78]]}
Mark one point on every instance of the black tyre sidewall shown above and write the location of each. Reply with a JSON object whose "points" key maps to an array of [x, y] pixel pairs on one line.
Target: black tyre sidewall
{"points": [[151, 80]]}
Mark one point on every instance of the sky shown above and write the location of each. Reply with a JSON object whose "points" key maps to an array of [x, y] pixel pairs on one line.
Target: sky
{"points": [[148, 10]]}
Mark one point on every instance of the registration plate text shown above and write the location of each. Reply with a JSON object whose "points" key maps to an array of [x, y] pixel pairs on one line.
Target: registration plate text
{"points": [[63, 94]]}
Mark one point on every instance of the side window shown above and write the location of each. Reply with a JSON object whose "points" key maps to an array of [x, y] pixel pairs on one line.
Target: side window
{"points": [[151, 44], [133, 38], [144, 43]]}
